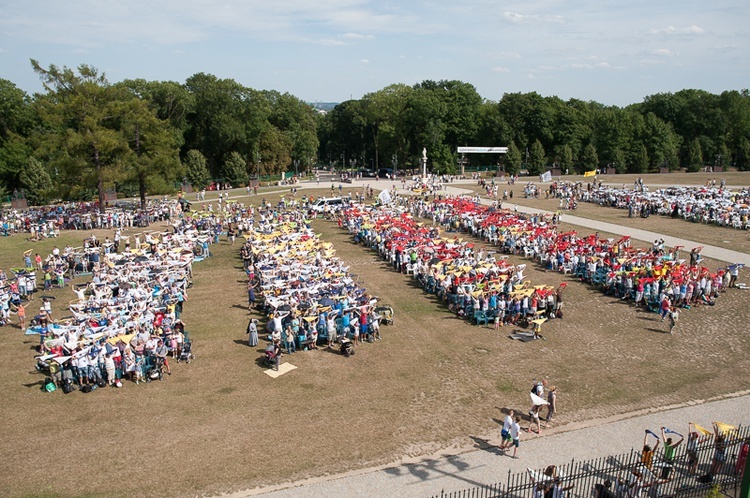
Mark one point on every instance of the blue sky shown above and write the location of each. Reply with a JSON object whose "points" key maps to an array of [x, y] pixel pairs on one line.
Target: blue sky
{"points": [[612, 52]]}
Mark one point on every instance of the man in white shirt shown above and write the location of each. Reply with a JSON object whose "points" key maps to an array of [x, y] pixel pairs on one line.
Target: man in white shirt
{"points": [[505, 432]]}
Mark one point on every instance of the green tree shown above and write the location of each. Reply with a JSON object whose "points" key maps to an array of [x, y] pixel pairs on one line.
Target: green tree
{"points": [[81, 136], [152, 161], [537, 159], [695, 156], [513, 159], [16, 122], [565, 158], [195, 169], [639, 160], [235, 170], [619, 161], [36, 182], [589, 159]]}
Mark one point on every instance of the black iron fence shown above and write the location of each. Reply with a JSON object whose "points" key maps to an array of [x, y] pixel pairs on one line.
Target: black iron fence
{"points": [[617, 476]]}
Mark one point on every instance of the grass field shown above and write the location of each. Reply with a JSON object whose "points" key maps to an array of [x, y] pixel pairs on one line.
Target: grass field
{"points": [[220, 424]]}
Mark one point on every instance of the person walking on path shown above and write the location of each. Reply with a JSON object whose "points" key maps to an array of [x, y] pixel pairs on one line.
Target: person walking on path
{"points": [[507, 440], [515, 434]]}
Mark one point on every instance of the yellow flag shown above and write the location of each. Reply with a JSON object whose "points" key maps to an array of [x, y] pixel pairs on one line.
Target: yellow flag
{"points": [[590, 173], [725, 427], [702, 430]]}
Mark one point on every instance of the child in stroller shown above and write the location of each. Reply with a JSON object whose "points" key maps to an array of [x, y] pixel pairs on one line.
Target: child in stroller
{"points": [[156, 371], [186, 352], [347, 348]]}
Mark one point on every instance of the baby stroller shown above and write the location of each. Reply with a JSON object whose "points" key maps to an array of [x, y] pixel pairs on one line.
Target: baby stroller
{"points": [[347, 348], [186, 353], [156, 372], [269, 358], [386, 314]]}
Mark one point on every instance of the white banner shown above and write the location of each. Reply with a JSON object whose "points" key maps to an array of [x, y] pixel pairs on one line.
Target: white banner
{"points": [[546, 176], [482, 150]]}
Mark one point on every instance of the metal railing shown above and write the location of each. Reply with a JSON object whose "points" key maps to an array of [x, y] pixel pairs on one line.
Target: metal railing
{"points": [[614, 473]]}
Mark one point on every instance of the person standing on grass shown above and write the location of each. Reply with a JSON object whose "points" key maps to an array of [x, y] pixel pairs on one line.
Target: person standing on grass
{"points": [[674, 315], [552, 405], [276, 354], [252, 330], [21, 311], [664, 307]]}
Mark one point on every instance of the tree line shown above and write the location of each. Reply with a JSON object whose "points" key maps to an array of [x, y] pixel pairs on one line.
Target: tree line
{"points": [[688, 129], [84, 135]]}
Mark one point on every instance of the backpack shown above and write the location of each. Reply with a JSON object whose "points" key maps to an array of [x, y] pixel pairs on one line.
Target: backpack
{"points": [[68, 387], [48, 385], [101, 382], [87, 388]]}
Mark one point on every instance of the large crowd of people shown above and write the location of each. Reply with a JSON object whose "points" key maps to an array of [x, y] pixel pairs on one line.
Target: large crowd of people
{"points": [[476, 284], [710, 204], [294, 278], [126, 321], [47, 221]]}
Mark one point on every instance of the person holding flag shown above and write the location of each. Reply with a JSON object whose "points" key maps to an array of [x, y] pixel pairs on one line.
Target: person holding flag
{"points": [[694, 439], [647, 455], [669, 450]]}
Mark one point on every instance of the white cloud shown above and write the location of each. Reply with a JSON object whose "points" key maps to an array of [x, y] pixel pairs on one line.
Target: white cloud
{"points": [[649, 61], [500, 69], [364, 61], [671, 30], [663, 52], [508, 55], [516, 18], [357, 36]]}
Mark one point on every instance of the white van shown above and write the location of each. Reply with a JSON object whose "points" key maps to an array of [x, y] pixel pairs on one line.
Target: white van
{"points": [[330, 204]]}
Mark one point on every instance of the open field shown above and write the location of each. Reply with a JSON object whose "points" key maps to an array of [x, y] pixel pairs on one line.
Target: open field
{"points": [[220, 424]]}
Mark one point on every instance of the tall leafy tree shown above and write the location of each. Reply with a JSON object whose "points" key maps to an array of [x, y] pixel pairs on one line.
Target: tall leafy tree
{"points": [[36, 182], [195, 169], [537, 159], [639, 160], [513, 159], [589, 158], [16, 122], [152, 161], [234, 170], [695, 156], [81, 137]]}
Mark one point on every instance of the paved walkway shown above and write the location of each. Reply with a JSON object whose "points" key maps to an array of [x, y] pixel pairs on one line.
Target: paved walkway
{"points": [[476, 467]]}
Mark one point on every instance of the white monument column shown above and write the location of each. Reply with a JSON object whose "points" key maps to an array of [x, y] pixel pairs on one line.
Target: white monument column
{"points": [[424, 164]]}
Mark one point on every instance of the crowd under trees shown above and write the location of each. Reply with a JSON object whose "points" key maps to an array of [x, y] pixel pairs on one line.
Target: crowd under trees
{"points": [[84, 136]]}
